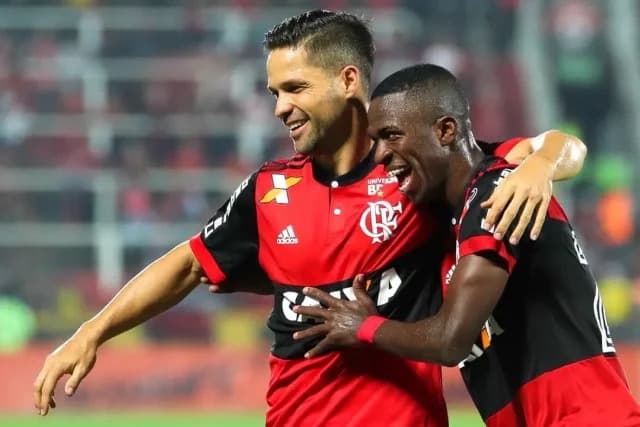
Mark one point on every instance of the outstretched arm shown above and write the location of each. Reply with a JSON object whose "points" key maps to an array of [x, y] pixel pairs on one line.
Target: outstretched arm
{"points": [[445, 338], [158, 287], [550, 156]]}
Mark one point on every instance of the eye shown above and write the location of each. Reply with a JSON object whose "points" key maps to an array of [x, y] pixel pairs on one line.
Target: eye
{"points": [[390, 135]]}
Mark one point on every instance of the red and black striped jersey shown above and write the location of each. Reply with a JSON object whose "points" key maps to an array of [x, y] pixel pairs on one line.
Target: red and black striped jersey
{"points": [[545, 357], [306, 229]]}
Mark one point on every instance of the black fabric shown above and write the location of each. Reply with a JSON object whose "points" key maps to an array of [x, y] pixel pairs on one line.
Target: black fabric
{"points": [[231, 235], [417, 296]]}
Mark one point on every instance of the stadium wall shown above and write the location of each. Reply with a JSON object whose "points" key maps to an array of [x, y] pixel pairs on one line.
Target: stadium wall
{"points": [[185, 377]]}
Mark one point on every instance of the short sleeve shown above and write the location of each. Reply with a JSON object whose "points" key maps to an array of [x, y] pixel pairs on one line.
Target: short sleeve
{"points": [[229, 240], [499, 149], [470, 237]]}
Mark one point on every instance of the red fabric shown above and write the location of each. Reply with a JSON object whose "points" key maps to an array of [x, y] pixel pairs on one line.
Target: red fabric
{"points": [[368, 329], [208, 263], [355, 388], [588, 393], [555, 211], [321, 254], [503, 149], [488, 243]]}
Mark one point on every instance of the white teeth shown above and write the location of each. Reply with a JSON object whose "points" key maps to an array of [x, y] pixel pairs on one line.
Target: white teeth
{"points": [[396, 172], [402, 175], [404, 185], [296, 125]]}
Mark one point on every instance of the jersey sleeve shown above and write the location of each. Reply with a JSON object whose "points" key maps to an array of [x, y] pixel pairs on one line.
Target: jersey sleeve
{"points": [[229, 240], [471, 238], [499, 149]]}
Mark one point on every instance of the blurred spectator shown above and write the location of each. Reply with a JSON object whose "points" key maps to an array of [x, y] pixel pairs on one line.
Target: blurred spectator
{"points": [[581, 65], [189, 95]]}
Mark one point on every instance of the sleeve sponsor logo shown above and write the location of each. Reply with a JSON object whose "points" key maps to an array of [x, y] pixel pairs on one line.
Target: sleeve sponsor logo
{"points": [[490, 329], [221, 219], [279, 193], [503, 174]]}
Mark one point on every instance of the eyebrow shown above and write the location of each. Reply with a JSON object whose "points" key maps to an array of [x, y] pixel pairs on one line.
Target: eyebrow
{"points": [[388, 128], [287, 84]]}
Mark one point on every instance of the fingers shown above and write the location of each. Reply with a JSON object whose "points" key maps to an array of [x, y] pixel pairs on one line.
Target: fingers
{"points": [[540, 217], [523, 221], [509, 215], [499, 199], [312, 311], [322, 297], [74, 380], [204, 279], [322, 347], [359, 282], [37, 389], [490, 201], [312, 332], [49, 383], [360, 293]]}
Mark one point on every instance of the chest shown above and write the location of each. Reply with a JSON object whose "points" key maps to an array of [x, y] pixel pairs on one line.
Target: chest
{"points": [[314, 233]]}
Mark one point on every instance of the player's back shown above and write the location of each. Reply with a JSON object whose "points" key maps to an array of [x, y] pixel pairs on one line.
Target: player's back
{"points": [[546, 357]]}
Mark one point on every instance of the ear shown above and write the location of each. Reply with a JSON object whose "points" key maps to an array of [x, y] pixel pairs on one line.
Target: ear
{"points": [[446, 129], [350, 80]]}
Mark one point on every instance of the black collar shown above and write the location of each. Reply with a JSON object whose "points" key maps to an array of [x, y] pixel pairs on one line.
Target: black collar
{"points": [[360, 170]]}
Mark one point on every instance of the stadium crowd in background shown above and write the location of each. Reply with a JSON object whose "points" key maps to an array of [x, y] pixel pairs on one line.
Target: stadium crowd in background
{"points": [[602, 203], [318, 68]]}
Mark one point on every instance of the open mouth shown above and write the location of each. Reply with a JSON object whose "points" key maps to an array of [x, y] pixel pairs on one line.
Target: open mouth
{"points": [[296, 128], [403, 175]]}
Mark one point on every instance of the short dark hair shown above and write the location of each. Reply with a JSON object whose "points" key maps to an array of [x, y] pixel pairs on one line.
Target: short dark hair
{"points": [[429, 85], [332, 40]]}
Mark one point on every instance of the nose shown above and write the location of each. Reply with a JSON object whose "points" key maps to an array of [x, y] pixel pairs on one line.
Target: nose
{"points": [[283, 108], [383, 154]]}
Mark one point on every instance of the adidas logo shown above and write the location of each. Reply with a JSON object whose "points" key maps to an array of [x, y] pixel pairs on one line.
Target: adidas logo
{"points": [[287, 236]]}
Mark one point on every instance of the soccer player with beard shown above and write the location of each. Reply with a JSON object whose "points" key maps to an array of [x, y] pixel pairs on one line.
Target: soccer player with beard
{"points": [[316, 220], [525, 322]]}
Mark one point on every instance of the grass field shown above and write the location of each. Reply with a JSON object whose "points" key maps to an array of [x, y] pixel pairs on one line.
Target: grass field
{"points": [[458, 419]]}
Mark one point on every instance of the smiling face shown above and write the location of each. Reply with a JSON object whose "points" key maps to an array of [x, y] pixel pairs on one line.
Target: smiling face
{"points": [[310, 101], [409, 146]]}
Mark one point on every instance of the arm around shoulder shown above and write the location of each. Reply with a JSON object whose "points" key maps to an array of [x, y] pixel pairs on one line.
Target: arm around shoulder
{"points": [[564, 153]]}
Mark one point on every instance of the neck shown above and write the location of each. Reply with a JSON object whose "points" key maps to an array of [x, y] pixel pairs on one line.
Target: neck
{"points": [[355, 146], [463, 164]]}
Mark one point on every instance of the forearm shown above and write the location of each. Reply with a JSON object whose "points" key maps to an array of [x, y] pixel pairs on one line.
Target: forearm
{"points": [[423, 340], [158, 287], [565, 153]]}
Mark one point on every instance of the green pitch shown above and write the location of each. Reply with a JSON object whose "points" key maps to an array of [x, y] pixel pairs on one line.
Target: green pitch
{"points": [[458, 419]]}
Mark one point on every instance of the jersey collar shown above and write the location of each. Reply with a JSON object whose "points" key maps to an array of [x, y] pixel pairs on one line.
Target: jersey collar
{"points": [[360, 171]]}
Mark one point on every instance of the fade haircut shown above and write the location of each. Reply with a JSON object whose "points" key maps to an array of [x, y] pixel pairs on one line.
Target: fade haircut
{"points": [[332, 40], [430, 87]]}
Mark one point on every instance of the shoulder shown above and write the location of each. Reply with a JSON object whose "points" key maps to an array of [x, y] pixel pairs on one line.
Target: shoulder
{"points": [[298, 161], [500, 148], [492, 172]]}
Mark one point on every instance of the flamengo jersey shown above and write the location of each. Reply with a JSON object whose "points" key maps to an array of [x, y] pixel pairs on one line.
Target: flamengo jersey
{"points": [[305, 229], [545, 357]]}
